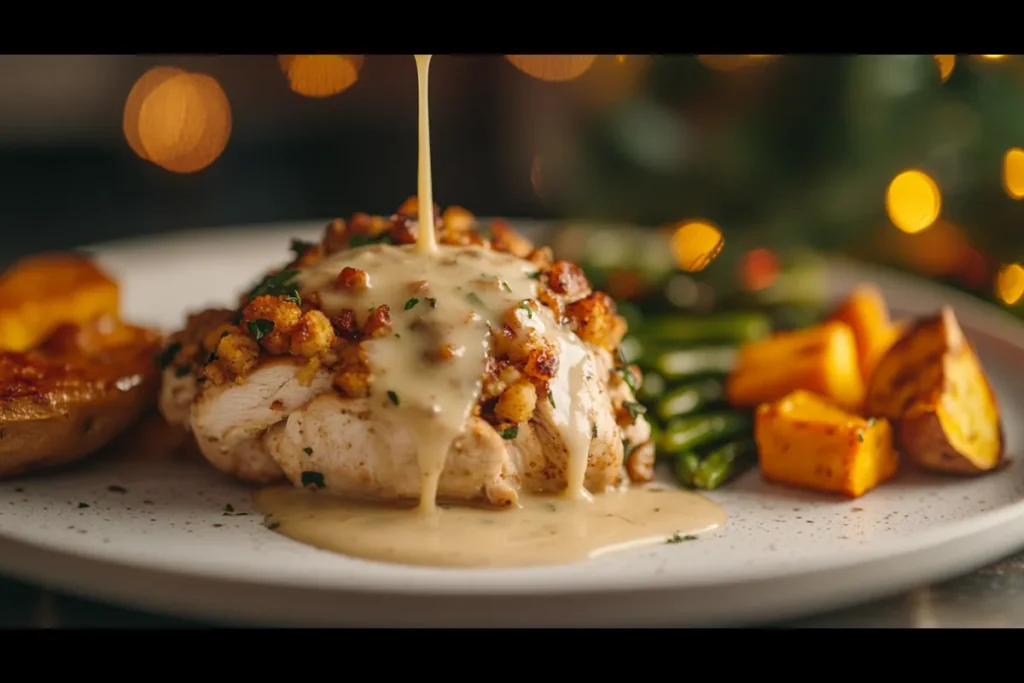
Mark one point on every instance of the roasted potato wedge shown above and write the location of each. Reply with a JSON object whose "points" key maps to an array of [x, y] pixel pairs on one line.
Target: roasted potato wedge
{"points": [[806, 441], [867, 314], [40, 293], [822, 359], [932, 386], [74, 393]]}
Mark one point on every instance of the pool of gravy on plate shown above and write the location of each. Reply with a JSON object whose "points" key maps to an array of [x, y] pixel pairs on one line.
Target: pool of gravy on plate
{"points": [[435, 402]]}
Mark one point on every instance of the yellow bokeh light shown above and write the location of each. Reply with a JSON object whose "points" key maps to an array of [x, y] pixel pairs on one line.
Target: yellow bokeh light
{"points": [[945, 64], [1013, 172], [553, 68], [621, 58], [320, 75], [1010, 284], [695, 244], [177, 120], [992, 57], [913, 201]]}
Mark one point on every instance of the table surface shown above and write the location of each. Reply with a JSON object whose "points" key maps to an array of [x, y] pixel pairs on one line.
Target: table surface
{"points": [[990, 597]]}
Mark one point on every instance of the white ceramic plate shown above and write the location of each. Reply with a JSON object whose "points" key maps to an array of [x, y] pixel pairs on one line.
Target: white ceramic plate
{"points": [[160, 539]]}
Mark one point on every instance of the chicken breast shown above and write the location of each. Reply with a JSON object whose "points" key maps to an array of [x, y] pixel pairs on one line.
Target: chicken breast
{"points": [[303, 384], [229, 420], [339, 445]]}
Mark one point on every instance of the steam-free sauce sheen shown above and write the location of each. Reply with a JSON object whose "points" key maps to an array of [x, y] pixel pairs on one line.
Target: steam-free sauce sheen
{"points": [[450, 296]]}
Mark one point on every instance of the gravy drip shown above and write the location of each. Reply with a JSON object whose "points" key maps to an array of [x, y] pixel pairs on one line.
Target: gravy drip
{"points": [[444, 306], [426, 241], [544, 531]]}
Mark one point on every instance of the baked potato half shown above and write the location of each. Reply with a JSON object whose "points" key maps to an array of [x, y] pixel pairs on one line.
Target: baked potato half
{"points": [[75, 392], [930, 384]]}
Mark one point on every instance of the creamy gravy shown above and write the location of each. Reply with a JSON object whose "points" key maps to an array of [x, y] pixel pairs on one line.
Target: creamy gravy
{"points": [[545, 530], [445, 301]]}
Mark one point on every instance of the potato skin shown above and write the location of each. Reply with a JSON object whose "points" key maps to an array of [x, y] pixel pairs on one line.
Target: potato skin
{"points": [[74, 394], [932, 386]]}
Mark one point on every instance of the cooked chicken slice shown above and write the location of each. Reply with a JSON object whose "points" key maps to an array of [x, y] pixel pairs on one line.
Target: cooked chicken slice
{"points": [[229, 419], [543, 444], [339, 445], [176, 395]]}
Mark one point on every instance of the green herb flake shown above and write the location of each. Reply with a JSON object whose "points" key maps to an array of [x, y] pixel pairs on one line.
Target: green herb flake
{"points": [[535, 275], [504, 286], [82, 506], [293, 297], [393, 397], [551, 399], [474, 299], [860, 436], [363, 240], [307, 450], [525, 305], [411, 303], [278, 284], [510, 433], [313, 479], [621, 354], [634, 408], [593, 430], [260, 328], [432, 301], [300, 247], [628, 378], [678, 538], [183, 371], [165, 357]]}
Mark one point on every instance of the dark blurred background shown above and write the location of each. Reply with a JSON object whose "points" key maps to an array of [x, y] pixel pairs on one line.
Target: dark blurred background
{"points": [[775, 152]]}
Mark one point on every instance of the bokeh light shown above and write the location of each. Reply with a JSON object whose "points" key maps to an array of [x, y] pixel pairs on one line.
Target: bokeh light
{"points": [[1010, 283], [759, 268], [945, 64], [553, 68], [177, 120], [993, 57], [695, 244], [321, 75], [913, 201], [1013, 172]]}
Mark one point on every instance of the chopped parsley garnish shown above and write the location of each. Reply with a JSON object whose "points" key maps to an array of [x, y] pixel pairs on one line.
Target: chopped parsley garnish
{"points": [[164, 358], [183, 371], [313, 479], [363, 240], [860, 436], [432, 301], [593, 430], [294, 298], [627, 449], [411, 303], [677, 538], [535, 275], [278, 284], [474, 299], [307, 450], [627, 377], [300, 247], [525, 305], [634, 408], [510, 433], [260, 328], [393, 397], [551, 399], [504, 286]]}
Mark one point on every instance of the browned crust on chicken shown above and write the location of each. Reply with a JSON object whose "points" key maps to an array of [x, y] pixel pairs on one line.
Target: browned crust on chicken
{"points": [[274, 320]]}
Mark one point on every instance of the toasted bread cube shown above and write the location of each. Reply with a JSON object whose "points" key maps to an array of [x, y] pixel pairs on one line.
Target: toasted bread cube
{"points": [[806, 441], [821, 359], [867, 314]]}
